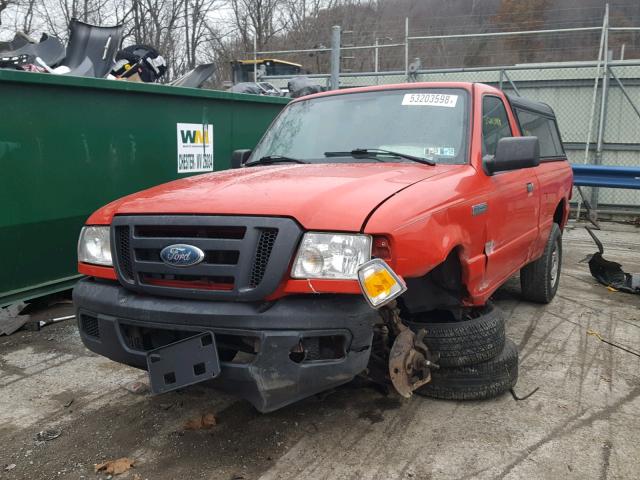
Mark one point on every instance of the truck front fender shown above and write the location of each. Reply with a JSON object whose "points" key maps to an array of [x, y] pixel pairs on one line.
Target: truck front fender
{"points": [[422, 239]]}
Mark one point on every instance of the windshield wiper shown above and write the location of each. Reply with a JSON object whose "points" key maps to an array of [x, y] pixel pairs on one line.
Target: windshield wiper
{"points": [[372, 151], [276, 159]]}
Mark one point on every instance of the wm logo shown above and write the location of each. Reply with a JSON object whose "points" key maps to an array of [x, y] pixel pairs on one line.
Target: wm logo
{"points": [[196, 137]]}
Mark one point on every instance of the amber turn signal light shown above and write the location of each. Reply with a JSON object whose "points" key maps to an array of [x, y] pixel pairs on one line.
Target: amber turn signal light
{"points": [[379, 283]]}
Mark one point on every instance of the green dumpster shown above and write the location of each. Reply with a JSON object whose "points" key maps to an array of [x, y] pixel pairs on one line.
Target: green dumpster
{"points": [[69, 145]]}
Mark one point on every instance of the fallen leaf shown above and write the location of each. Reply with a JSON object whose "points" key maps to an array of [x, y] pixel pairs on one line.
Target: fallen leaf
{"points": [[205, 422], [137, 476], [115, 467], [209, 420], [10, 466]]}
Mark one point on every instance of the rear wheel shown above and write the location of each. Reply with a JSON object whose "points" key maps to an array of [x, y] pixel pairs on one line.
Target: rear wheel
{"points": [[475, 382], [539, 280]]}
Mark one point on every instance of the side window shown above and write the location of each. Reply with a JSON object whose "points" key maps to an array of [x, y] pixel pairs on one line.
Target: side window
{"points": [[495, 124], [545, 128]]}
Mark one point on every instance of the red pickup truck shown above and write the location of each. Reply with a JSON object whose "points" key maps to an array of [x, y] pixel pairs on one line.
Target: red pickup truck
{"points": [[363, 236]]}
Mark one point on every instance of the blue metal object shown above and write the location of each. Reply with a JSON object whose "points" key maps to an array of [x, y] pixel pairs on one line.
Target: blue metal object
{"points": [[606, 176]]}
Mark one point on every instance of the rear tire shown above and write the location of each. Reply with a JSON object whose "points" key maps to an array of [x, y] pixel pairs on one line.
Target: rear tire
{"points": [[539, 279], [475, 382], [467, 342]]}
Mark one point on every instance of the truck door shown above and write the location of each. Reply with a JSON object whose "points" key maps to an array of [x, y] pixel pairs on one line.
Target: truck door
{"points": [[513, 204]]}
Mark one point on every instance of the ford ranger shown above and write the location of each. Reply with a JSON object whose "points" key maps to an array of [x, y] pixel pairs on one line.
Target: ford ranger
{"points": [[363, 236]]}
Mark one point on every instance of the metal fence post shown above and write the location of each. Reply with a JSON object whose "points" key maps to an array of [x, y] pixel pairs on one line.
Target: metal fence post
{"points": [[592, 114], [608, 57], [406, 48], [255, 59], [335, 57], [376, 60]]}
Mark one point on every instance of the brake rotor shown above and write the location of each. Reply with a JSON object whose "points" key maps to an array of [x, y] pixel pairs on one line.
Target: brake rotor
{"points": [[408, 367]]}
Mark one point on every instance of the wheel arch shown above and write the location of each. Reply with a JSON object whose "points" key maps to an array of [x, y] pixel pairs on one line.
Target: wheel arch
{"points": [[561, 213], [442, 287]]}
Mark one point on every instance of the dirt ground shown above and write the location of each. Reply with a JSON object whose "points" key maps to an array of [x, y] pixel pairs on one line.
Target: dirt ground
{"points": [[582, 423]]}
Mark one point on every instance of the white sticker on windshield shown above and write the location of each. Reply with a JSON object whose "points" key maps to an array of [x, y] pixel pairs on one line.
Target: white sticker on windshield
{"points": [[440, 151], [430, 99]]}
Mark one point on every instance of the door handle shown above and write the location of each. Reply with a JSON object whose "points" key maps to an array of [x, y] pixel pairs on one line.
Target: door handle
{"points": [[529, 187]]}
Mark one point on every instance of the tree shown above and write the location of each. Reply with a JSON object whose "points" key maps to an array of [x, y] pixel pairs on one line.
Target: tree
{"points": [[522, 15], [4, 4], [196, 27], [257, 18]]}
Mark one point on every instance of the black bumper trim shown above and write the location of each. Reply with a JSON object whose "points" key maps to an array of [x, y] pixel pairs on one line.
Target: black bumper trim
{"points": [[272, 380]]}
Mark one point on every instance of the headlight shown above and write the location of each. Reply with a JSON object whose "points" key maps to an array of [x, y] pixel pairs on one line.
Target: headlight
{"points": [[331, 255], [94, 246]]}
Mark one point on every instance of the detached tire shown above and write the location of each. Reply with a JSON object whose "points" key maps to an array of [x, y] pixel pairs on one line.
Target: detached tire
{"points": [[475, 382], [467, 342], [539, 280]]}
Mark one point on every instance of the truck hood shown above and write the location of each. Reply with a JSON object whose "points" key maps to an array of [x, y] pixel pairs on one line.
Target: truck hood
{"points": [[321, 197]]}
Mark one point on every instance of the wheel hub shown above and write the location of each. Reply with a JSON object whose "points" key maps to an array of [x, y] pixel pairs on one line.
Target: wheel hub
{"points": [[409, 362]]}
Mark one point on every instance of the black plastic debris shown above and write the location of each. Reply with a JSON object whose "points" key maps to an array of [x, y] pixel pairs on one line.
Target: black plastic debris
{"points": [[20, 39], [610, 273], [301, 86], [91, 49], [256, 88], [246, 87], [196, 77], [141, 60], [23, 51]]}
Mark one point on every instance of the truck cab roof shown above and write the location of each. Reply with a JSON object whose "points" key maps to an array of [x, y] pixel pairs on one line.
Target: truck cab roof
{"points": [[394, 86], [514, 100]]}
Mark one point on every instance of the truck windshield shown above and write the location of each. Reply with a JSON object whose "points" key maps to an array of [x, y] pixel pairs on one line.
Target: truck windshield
{"points": [[430, 124]]}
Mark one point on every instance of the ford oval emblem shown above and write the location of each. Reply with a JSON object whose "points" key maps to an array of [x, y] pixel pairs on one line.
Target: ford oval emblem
{"points": [[181, 255]]}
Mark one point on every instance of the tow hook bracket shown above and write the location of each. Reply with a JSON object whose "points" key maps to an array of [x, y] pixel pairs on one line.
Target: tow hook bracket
{"points": [[410, 362]]}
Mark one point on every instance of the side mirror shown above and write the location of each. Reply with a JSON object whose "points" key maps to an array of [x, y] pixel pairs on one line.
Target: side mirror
{"points": [[513, 153], [239, 158]]}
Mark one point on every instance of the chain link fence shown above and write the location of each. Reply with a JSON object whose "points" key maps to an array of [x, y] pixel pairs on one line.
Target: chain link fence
{"points": [[580, 92], [569, 89]]}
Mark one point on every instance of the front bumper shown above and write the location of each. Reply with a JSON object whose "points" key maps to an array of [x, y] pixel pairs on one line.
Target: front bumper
{"points": [[273, 377]]}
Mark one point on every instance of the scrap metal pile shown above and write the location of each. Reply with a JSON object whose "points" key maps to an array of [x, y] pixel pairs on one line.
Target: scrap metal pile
{"points": [[92, 51], [95, 51], [296, 87]]}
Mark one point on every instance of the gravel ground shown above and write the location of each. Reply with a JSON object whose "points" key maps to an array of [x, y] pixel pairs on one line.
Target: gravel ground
{"points": [[582, 423]]}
